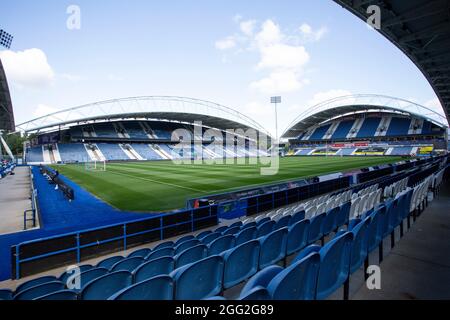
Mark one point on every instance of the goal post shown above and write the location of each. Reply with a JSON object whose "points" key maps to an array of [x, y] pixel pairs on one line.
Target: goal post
{"points": [[95, 165]]}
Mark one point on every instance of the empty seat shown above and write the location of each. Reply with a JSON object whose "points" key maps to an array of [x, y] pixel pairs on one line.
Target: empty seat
{"points": [[202, 234], [163, 252], [262, 220], [39, 290], [104, 287], [158, 266], [245, 235], [260, 280], [85, 278], [184, 239], [166, 244], [273, 247], [236, 224], [297, 237], [34, 282], [343, 215], [315, 228], [221, 244], [258, 293], [241, 262], [248, 225], [265, 228], [142, 253], [191, 255], [359, 244], [296, 217], [155, 288], [65, 275], [211, 237], [199, 280], [329, 221], [6, 294], [221, 229], [186, 245], [128, 264], [109, 262], [231, 230], [282, 222], [60, 295]]}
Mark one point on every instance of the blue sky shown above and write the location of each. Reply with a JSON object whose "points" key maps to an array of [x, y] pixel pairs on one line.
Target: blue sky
{"points": [[236, 53]]}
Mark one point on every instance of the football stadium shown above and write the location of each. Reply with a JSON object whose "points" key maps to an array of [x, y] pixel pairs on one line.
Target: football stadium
{"points": [[176, 198]]}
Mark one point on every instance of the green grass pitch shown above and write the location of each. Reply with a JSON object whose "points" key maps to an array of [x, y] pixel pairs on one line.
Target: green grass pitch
{"points": [[163, 185]]}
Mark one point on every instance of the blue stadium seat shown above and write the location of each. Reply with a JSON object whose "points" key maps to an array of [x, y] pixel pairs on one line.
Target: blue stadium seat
{"points": [[211, 237], [88, 276], [265, 228], [273, 247], [163, 252], [156, 288], [231, 230], [39, 290], [104, 287], [315, 228], [199, 280], [190, 255], [186, 245], [297, 237], [260, 279], [34, 282], [6, 294], [343, 215], [109, 262], [241, 262], [248, 225], [184, 239], [128, 264], [236, 224], [221, 244], [334, 264], [296, 282], [296, 217], [359, 244], [329, 221], [215, 298], [163, 245], [203, 234], [142, 253], [60, 295], [221, 229], [158, 266], [375, 230], [283, 222], [246, 234], [263, 220], [65, 275]]}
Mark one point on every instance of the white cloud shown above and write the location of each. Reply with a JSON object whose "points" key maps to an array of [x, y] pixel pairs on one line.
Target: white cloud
{"points": [[270, 34], [43, 110], [226, 43], [327, 95], [283, 56], [309, 34], [279, 81], [71, 77], [247, 27], [257, 109], [28, 68]]}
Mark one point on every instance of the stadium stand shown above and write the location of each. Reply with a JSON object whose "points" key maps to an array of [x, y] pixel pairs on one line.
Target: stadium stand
{"points": [[352, 223]]}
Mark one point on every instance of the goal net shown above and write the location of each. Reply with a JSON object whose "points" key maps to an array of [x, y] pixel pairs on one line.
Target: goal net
{"points": [[95, 165]]}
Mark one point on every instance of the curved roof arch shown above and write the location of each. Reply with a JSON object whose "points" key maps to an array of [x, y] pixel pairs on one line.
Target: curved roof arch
{"points": [[169, 108], [360, 103], [421, 30]]}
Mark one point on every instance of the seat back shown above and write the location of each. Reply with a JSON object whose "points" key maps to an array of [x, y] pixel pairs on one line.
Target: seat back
{"points": [[183, 239], [128, 264], [186, 245], [296, 282], [273, 247], [374, 230], [283, 222], [334, 265], [359, 245], [39, 290], [85, 278], [199, 280], [258, 293], [109, 262], [165, 244], [191, 255], [155, 288], [141, 253], [34, 282], [64, 276], [163, 252], [261, 279], [104, 287], [158, 266], [328, 223], [211, 237], [6, 294], [315, 228], [221, 244], [297, 237], [296, 217], [231, 230], [241, 262], [343, 214], [245, 235], [203, 234], [265, 228]]}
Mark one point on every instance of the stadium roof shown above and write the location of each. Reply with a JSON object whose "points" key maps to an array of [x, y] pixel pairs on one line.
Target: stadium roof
{"points": [[361, 103], [421, 29], [6, 110], [167, 108]]}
